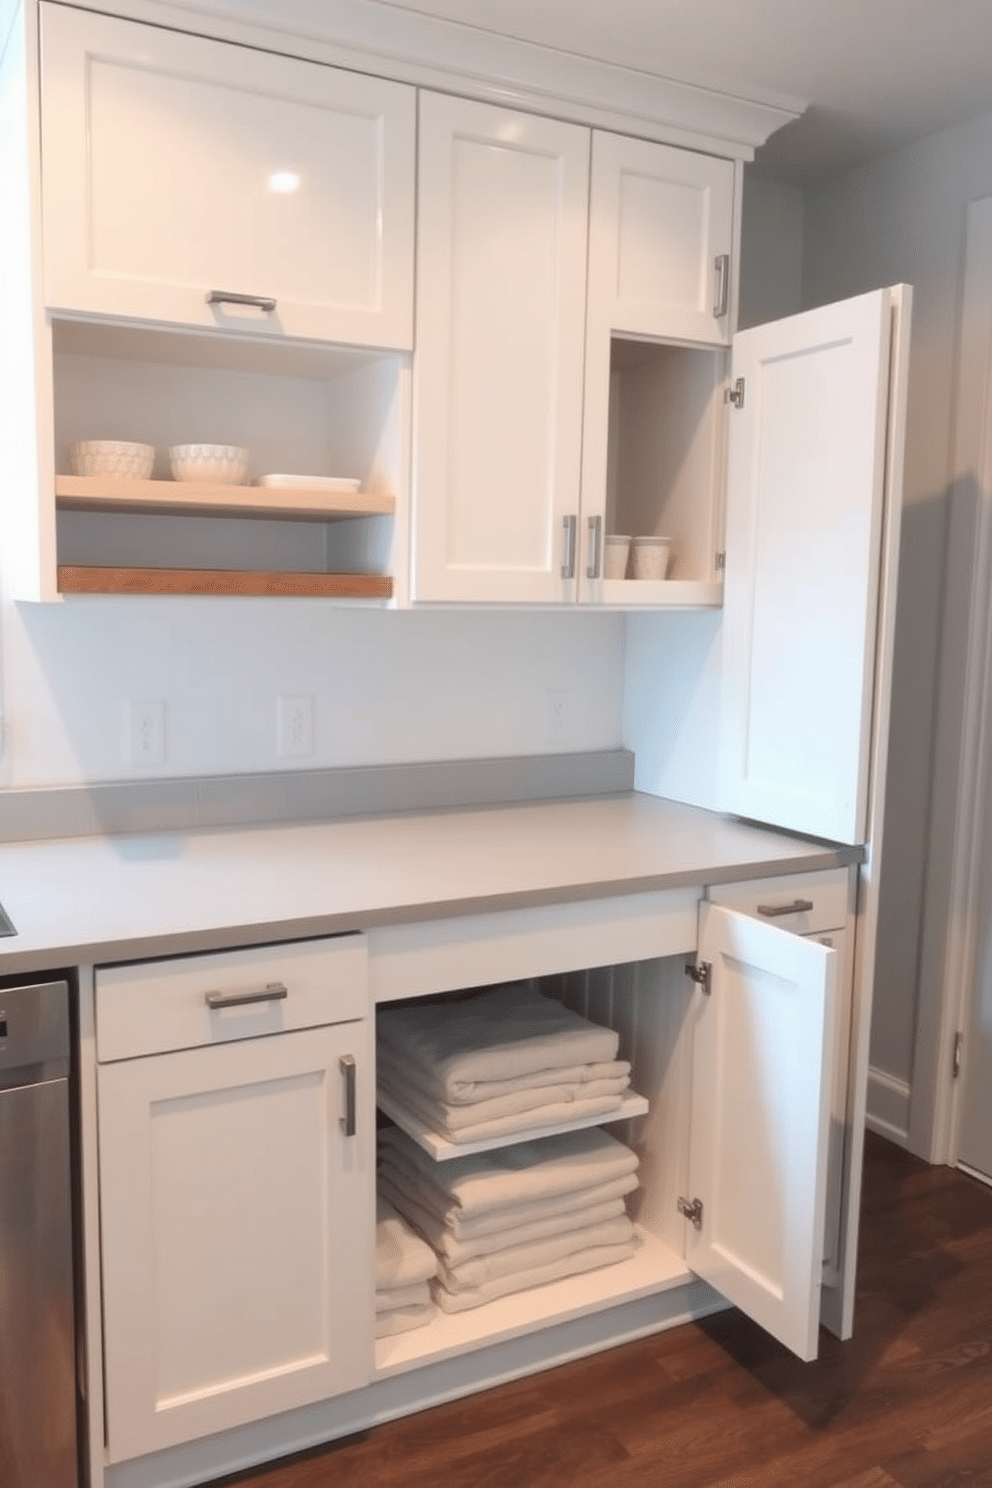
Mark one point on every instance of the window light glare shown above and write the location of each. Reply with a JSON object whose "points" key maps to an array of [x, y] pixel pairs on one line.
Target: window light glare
{"points": [[284, 181]]}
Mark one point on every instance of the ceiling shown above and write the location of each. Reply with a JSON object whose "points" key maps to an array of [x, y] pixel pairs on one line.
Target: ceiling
{"points": [[875, 73]]}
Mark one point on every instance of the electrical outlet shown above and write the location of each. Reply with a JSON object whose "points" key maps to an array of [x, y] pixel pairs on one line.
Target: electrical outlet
{"points": [[556, 710], [294, 725], [146, 732]]}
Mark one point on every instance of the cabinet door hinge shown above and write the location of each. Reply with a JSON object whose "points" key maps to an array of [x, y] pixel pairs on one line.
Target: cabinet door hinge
{"points": [[701, 974], [956, 1057], [735, 394], [693, 1211]]}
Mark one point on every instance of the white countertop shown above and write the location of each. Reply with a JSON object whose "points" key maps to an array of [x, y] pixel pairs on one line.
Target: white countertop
{"points": [[90, 899]]}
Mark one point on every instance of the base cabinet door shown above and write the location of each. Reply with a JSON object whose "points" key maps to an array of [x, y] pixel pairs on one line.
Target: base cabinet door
{"points": [[238, 1229], [501, 273], [181, 173], [760, 1121]]}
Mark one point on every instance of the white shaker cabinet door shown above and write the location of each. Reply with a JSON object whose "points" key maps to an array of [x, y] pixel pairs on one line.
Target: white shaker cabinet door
{"points": [[760, 1121], [176, 168], [238, 1232], [501, 263], [806, 501], [660, 237]]}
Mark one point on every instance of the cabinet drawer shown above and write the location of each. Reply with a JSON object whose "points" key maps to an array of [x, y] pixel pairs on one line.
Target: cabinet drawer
{"points": [[821, 900], [151, 1007]]}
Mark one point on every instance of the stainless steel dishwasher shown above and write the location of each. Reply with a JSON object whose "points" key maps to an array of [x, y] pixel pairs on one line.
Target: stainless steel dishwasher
{"points": [[38, 1394]]}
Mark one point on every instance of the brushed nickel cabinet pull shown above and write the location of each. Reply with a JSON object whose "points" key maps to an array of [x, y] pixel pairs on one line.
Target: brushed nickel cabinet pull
{"points": [[229, 297], [722, 265], [595, 547], [346, 1064], [568, 567], [271, 992], [773, 911]]}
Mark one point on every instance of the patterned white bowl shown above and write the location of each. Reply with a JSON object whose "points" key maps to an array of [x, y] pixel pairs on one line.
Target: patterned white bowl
{"points": [[111, 459], [218, 464]]}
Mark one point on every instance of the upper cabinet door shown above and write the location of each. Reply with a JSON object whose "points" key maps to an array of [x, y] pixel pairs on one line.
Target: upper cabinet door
{"points": [[760, 1121], [501, 265], [660, 239], [176, 168], [805, 506]]}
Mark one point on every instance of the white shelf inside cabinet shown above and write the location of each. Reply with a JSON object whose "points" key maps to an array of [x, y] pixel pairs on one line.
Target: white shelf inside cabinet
{"points": [[681, 594], [201, 498], [654, 1268], [441, 1150]]}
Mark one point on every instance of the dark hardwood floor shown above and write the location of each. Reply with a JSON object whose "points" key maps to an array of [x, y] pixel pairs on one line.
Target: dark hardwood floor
{"points": [[907, 1401]]}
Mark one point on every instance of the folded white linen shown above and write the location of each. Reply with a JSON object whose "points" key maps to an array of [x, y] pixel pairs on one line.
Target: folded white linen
{"points": [[496, 1035], [519, 1260], [388, 1299], [403, 1319], [545, 1168], [449, 1116], [504, 1286], [426, 1080], [559, 1216], [402, 1258], [431, 1116]]}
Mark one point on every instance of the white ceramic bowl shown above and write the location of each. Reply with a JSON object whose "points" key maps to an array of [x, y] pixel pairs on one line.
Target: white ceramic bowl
{"points": [[111, 459], [218, 464]]}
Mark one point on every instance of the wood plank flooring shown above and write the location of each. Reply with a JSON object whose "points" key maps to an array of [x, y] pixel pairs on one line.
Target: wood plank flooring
{"points": [[906, 1403]]}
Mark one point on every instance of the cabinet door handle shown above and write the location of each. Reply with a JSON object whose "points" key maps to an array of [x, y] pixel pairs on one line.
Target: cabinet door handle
{"points": [[773, 911], [271, 992], [568, 567], [722, 265], [346, 1064], [228, 297], [595, 547]]}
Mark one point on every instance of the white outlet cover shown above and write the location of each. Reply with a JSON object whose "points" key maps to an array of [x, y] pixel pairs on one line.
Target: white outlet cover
{"points": [[145, 736], [294, 725]]}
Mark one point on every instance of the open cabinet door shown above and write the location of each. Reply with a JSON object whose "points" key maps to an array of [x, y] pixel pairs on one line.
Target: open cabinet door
{"points": [[760, 1121], [805, 505]]}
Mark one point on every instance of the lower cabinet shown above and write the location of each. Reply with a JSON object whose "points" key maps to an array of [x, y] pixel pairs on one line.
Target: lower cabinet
{"points": [[236, 1190], [237, 1150]]}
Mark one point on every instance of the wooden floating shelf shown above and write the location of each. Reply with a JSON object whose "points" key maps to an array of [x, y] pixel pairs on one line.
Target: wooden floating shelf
{"points": [[73, 579], [199, 499]]}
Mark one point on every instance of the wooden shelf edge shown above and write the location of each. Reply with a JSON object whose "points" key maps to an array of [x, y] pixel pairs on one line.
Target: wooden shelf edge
{"points": [[74, 579], [195, 498]]}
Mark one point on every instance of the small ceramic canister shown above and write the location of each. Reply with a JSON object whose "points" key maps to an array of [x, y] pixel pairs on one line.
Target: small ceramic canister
{"points": [[616, 551], [649, 557]]}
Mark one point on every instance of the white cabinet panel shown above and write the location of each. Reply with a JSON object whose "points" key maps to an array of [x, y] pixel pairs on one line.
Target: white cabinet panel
{"points": [[501, 256], [175, 166], [805, 503], [660, 237], [760, 1121], [237, 1234]]}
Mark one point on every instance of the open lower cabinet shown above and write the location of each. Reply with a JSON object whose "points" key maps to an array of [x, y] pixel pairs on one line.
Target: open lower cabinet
{"points": [[731, 1068]]}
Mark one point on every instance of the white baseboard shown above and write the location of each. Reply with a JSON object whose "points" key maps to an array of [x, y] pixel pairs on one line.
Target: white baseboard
{"points": [[888, 1106]]}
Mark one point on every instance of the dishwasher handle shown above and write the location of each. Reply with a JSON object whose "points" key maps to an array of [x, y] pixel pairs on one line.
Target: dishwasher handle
{"points": [[271, 992]]}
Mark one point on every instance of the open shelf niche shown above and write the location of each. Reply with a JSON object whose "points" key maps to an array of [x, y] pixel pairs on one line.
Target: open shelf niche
{"points": [[300, 408]]}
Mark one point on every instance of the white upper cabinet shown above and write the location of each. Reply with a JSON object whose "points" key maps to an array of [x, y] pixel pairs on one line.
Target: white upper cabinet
{"points": [[660, 238], [501, 265], [760, 1121], [805, 506], [178, 169]]}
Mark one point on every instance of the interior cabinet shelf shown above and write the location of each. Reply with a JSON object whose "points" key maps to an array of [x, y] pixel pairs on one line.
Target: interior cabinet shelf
{"points": [[441, 1149], [655, 1268], [196, 498], [86, 579]]}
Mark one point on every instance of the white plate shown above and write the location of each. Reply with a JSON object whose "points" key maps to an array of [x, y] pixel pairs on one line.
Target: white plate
{"points": [[311, 482]]}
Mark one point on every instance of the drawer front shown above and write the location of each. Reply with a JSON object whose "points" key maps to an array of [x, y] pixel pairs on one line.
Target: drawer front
{"points": [[806, 903], [151, 1007]]}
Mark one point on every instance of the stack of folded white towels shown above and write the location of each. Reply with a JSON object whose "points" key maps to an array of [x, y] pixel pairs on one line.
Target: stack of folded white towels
{"points": [[517, 1217], [404, 1265], [498, 1062]]}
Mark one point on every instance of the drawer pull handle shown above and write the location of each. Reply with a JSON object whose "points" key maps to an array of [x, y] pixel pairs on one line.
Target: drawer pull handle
{"points": [[228, 297], [346, 1064], [798, 906], [271, 992]]}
